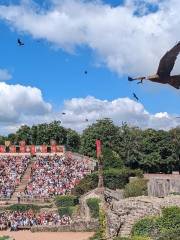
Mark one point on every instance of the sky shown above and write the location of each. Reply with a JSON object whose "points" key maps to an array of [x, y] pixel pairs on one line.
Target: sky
{"points": [[109, 39]]}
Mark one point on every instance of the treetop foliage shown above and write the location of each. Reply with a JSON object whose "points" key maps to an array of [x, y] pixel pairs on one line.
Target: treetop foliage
{"points": [[150, 150]]}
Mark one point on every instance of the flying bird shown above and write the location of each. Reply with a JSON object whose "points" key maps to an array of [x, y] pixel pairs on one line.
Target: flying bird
{"points": [[63, 113], [20, 43], [166, 65], [86, 120], [135, 96], [85, 72]]}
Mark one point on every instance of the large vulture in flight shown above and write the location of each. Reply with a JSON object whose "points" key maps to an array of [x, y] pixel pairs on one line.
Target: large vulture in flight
{"points": [[164, 70]]}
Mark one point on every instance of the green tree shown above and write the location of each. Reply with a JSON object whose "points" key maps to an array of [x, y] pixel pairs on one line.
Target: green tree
{"points": [[73, 140], [111, 159], [103, 130], [24, 134]]}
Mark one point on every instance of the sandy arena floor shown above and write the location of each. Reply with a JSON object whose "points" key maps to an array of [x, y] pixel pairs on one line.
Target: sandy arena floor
{"points": [[27, 235]]}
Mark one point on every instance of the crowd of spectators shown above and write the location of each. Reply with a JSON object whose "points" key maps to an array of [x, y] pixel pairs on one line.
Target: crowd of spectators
{"points": [[55, 175], [19, 220], [11, 170]]}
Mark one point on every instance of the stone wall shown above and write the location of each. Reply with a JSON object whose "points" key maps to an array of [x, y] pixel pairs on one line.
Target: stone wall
{"points": [[161, 185], [76, 226], [123, 214]]}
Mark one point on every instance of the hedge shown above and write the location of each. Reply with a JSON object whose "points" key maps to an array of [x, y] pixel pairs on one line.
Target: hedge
{"points": [[66, 201], [23, 207], [68, 211], [137, 187], [93, 204], [5, 238], [113, 178]]}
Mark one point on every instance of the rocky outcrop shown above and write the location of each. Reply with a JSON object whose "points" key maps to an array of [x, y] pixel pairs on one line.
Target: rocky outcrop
{"points": [[123, 214]]}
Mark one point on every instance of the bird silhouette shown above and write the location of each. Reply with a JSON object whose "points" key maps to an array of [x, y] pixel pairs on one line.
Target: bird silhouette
{"points": [[135, 96], [20, 43], [63, 113], [166, 65], [85, 72], [86, 120]]}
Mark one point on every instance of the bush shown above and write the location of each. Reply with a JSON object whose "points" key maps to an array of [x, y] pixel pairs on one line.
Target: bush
{"points": [[170, 235], [113, 178], [170, 219], [133, 238], [166, 227], [93, 204], [23, 207], [5, 238], [118, 178], [136, 188], [66, 201], [145, 227], [68, 211], [102, 224]]}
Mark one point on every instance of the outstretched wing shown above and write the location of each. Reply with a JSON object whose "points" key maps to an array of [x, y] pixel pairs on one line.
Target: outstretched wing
{"points": [[168, 60]]}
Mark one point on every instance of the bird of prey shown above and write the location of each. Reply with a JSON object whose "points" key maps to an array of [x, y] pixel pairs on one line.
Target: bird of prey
{"points": [[63, 113], [20, 43], [164, 70], [135, 96]]}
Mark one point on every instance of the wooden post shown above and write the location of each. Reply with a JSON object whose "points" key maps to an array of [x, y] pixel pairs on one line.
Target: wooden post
{"points": [[100, 172]]}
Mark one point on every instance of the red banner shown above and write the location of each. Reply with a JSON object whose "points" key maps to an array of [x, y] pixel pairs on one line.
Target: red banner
{"points": [[98, 148], [2, 148], [44, 148], [53, 148], [22, 149], [33, 150], [28, 149], [12, 149]]}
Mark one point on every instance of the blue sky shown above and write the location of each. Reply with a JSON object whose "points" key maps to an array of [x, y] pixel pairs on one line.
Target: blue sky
{"points": [[59, 74]]}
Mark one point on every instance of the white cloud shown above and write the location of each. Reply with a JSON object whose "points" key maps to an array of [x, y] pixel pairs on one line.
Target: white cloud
{"points": [[119, 110], [126, 43], [25, 105], [17, 101], [4, 75]]}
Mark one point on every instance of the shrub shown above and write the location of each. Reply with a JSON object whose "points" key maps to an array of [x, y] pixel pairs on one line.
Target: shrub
{"points": [[102, 224], [113, 178], [68, 211], [165, 227], [23, 207], [170, 219], [136, 188], [133, 238], [145, 227], [66, 201], [170, 235], [93, 204], [5, 238]]}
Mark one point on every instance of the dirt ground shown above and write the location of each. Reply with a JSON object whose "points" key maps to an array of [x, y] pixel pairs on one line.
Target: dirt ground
{"points": [[27, 235]]}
